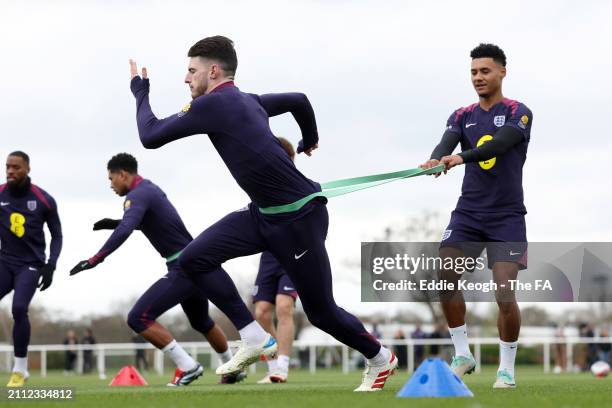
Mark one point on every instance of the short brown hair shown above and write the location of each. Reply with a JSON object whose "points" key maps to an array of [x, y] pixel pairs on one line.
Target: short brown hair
{"points": [[218, 48], [287, 146]]}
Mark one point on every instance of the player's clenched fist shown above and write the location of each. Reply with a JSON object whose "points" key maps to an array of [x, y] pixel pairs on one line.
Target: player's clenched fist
{"points": [[429, 164], [45, 276], [451, 161]]}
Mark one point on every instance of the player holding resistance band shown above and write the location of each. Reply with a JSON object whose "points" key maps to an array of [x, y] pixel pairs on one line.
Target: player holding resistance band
{"points": [[274, 292], [494, 134], [237, 124], [147, 208]]}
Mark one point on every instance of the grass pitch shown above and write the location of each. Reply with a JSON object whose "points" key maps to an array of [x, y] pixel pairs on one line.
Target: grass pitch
{"points": [[328, 388]]}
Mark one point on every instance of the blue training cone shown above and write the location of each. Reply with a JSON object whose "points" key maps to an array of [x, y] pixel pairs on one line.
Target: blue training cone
{"points": [[434, 378]]}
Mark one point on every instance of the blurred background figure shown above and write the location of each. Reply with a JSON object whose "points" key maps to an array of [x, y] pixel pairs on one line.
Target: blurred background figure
{"points": [[592, 348], [375, 331], [440, 332], [70, 355], [419, 350], [401, 350], [604, 348], [88, 354], [586, 354], [141, 356], [560, 351]]}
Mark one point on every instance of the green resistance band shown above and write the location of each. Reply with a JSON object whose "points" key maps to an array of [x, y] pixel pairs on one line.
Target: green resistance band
{"points": [[349, 185], [173, 257]]}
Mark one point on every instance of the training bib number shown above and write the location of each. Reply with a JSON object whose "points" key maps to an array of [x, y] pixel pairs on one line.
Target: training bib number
{"points": [[18, 224], [486, 164]]}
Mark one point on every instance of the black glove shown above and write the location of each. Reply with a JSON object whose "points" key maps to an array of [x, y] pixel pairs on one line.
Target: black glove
{"points": [[81, 266], [300, 147], [45, 274], [106, 223]]}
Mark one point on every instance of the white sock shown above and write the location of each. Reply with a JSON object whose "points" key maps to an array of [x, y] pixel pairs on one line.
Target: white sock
{"points": [[460, 340], [180, 357], [225, 356], [21, 365], [283, 363], [381, 358], [272, 365], [507, 355], [253, 334]]}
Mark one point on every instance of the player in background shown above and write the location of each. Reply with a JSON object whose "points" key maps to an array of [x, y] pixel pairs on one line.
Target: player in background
{"points": [[494, 134], [274, 292], [24, 209], [237, 124], [147, 208]]}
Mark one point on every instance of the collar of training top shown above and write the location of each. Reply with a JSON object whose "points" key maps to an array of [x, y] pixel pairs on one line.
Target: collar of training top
{"points": [[137, 180], [221, 86]]}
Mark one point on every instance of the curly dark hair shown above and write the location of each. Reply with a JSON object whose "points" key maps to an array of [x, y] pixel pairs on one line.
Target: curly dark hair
{"points": [[123, 161], [485, 50]]}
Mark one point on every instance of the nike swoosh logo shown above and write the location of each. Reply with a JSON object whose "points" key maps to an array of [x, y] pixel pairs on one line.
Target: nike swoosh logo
{"points": [[296, 256], [287, 288], [32, 269], [4, 204], [467, 125], [514, 253]]}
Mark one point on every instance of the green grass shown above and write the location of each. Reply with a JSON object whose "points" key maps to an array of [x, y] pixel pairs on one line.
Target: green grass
{"points": [[328, 388]]}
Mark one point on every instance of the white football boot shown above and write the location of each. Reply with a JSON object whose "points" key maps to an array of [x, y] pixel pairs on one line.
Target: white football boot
{"points": [[504, 380], [247, 355], [462, 365], [375, 377]]}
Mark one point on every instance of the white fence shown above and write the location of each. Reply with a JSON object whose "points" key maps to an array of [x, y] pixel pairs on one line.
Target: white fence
{"points": [[332, 351]]}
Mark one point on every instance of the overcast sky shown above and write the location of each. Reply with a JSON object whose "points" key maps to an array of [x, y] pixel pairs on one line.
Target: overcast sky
{"points": [[383, 77]]}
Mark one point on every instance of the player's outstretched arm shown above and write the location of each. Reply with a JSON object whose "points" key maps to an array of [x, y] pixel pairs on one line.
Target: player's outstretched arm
{"points": [[118, 237], [201, 117], [447, 144], [135, 208], [299, 106], [107, 224]]}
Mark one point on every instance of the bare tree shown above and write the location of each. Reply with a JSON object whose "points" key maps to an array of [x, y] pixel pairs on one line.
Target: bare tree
{"points": [[425, 228]]}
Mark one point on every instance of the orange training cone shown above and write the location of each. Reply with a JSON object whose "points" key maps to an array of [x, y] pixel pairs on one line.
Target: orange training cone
{"points": [[128, 376]]}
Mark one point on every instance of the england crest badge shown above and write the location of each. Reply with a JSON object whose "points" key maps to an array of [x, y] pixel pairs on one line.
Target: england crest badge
{"points": [[499, 121], [32, 205], [446, 234]]}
